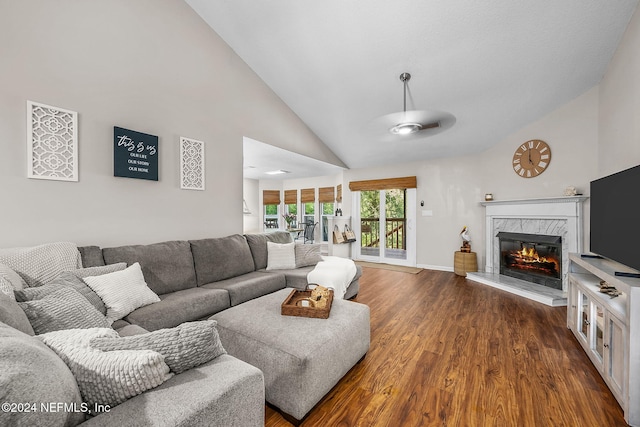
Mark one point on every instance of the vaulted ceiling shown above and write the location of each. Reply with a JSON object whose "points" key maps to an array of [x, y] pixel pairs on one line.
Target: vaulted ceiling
{"points": [[496, 65]]}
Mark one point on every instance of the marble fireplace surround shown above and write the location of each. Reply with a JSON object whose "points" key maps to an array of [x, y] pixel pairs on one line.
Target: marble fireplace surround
{"points": [[554, 216]]}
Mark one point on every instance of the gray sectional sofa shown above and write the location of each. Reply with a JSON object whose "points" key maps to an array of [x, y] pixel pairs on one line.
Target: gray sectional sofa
{"points": [[194, 280], [198, 278]]}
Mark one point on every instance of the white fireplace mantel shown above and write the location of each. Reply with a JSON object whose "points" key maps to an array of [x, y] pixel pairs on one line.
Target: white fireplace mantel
{"points": [[560, 216]]}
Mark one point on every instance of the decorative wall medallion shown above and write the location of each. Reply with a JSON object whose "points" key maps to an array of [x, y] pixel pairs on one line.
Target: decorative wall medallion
{"points": [[135, 154], [191, 164], [52, 142]]}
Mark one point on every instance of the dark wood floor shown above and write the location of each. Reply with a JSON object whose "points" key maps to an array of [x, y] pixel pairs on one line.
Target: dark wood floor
{"points": [[446, 351]]}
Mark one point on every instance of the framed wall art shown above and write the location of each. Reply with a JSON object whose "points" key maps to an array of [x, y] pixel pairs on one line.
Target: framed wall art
{"points": [[191, 164], [52, 142], [135, 154]]}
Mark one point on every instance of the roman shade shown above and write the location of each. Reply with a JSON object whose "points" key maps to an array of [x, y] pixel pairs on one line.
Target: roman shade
{"points": [[384, 184], [326, 195], [308, 195], [339, 191], [270, 197], [290, 197]]}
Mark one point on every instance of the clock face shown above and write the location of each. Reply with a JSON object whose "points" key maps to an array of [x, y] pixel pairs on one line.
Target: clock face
{"points": [[531, 158]]}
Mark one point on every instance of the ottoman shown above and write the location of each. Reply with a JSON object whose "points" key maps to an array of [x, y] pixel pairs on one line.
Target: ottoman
{"points": [[301, 358]]}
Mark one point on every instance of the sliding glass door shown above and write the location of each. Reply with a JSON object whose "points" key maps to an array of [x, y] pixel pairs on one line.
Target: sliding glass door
{"points": [[385, 222]]}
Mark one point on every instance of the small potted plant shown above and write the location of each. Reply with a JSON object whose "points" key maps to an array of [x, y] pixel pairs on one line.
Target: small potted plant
{"points": [[289, 218]]}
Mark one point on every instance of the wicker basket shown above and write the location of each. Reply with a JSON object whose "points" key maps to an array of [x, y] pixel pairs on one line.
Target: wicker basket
{"points": [[290, 306]]}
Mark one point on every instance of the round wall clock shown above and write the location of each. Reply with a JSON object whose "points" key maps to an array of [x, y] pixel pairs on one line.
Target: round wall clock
{"points": [[531, 158]]}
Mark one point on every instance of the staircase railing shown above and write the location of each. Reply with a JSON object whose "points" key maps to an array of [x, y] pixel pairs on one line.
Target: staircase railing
{"points": [[395, 237]]}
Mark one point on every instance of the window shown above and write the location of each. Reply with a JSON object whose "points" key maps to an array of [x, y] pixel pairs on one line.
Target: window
{"points": [[271, 202], [309, 212], [327, 211], [308, 199], [291, 204], [326, 197]]}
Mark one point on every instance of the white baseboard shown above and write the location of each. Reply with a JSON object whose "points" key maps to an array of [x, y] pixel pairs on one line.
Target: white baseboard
{"points": [[435, 267]]}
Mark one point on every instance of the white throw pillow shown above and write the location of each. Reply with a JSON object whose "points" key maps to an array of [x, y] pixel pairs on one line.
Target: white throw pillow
{"points": [[281, 256], [122, 291], [106, 377]]}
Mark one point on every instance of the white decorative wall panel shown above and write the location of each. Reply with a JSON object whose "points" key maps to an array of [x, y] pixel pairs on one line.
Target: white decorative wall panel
{"points": [[52, 142], [191, 164]]}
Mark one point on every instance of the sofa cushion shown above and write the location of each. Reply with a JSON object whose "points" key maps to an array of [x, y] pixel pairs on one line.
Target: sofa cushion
{"points": [[223, 392], [106, 377], [38, 265], [91, 256], [130, 330], [167, 266], [221, 258], [258, 245], [184, 306], [295, 277], [122, 291], [120, 323], [249, 286], [14, 316], [31, 373], [64, 308], [184, 347]]}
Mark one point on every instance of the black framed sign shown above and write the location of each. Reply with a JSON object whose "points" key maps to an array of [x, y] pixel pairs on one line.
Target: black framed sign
{"points": [[135, 154]]}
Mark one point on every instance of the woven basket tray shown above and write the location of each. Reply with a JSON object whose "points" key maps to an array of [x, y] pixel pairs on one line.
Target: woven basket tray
{"points": [[289, 307]]}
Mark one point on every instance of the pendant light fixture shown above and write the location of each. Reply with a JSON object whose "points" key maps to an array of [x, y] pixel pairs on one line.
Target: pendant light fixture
{"points": [[414, 122]]}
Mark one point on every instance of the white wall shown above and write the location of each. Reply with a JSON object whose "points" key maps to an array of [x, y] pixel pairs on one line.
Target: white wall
{"points": [[147, 65], [619, 131], [251, 222]]}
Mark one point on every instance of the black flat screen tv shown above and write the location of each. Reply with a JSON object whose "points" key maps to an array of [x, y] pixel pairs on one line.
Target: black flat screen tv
{"points": [[615, 217]]}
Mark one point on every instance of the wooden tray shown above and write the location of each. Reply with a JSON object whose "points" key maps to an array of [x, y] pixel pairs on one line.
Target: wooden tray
{"points": [[289, 307]]}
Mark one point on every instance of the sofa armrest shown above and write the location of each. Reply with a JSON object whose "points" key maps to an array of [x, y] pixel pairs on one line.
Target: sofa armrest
{"points": [[223, 392]]}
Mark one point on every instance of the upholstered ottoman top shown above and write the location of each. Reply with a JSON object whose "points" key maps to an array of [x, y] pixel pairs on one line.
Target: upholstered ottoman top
{"points": [[301, 358]]}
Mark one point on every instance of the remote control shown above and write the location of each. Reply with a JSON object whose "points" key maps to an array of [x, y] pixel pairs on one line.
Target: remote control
{"points": [[625, 274]]}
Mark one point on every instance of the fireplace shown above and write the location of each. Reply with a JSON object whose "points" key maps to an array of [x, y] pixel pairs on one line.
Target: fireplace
{"points": [[535, 258]]}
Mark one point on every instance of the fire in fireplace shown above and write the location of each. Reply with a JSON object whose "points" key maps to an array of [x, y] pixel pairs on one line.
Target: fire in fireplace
{"points": [[535, 258]]}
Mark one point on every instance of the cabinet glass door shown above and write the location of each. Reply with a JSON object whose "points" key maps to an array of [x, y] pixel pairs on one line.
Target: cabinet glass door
{"points": [[583, 315], [597, 344]]}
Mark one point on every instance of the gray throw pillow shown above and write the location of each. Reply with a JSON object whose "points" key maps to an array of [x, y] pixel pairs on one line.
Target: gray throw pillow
{"points": [[65, 308], [12, 315], [38, 292], [32, 373], [184, 347], [76, 278], [307, 255], [72, 279], [10, 281]]}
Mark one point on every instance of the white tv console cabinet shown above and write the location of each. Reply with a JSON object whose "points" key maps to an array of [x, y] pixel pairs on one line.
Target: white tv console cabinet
{"points": [[608, 328]]}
